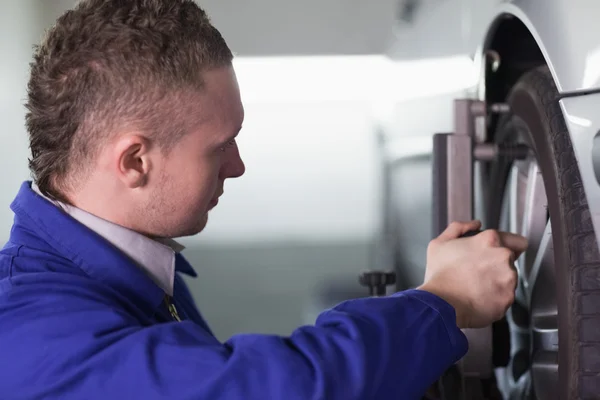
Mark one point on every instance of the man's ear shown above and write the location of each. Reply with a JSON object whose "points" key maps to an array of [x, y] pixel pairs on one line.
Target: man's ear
{"points": [[133, 161]]}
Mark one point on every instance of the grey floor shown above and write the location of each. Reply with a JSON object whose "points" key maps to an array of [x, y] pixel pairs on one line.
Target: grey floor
{"points": [[272, 288]]}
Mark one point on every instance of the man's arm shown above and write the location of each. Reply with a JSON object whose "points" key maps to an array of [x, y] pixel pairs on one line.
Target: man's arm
{"points": [[392, 347]]}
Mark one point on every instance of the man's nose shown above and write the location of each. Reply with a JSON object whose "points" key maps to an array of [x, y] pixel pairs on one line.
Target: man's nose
{"points": [[235, 166]]}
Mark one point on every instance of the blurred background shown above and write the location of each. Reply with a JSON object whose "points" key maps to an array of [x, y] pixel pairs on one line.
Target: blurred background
{"points": [[342, 98]]}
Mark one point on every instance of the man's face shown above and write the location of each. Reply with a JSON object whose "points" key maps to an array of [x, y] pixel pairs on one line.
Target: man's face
{"points": [[189, 180]]}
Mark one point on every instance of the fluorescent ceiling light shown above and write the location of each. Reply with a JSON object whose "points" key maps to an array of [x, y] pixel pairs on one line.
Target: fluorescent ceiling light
{"points": [[349, 78]]}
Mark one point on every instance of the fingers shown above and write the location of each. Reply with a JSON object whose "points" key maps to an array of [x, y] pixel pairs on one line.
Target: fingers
{"points": [[516, 243], [457, 229], [506, 257], [506, 278]]}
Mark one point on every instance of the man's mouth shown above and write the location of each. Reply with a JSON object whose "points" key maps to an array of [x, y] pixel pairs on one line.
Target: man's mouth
{"points": [[214, 201]]}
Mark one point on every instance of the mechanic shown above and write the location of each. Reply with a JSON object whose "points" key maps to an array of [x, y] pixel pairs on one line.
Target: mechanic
{"points": [[133, 113]]}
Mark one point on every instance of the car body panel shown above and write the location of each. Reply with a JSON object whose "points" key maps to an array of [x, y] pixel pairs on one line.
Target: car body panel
{"points": [[567, 33], [582, 118], [572, 53]]}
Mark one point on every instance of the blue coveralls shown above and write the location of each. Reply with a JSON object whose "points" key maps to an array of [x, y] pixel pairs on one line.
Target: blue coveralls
{"points": [[80, 321]]}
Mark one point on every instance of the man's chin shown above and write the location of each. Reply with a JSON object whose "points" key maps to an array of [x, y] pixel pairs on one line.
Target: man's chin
{"points": [[201, 224], [192, 230]]}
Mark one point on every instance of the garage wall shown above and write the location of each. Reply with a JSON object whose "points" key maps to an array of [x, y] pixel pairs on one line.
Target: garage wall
{"points": [[282, 27], [302, 219], [442, 28]]}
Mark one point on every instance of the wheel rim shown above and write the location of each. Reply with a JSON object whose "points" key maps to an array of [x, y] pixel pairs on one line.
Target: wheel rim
{"points": [[533, 370]]}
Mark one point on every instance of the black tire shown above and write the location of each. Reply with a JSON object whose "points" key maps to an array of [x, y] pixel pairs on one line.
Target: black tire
{"points": [[534, 102]]}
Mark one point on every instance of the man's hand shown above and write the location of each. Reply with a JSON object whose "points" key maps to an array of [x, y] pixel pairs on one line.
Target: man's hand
{"points": [[476, 275]]}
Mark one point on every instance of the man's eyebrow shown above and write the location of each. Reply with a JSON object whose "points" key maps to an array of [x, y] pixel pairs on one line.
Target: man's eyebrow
{"points": [[235, 134], [230, 137]]}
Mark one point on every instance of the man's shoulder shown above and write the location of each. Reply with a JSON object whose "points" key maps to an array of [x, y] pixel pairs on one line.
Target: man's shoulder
{"points": [[54, 316], [34, 279], [44, 282], [28, 263], [49, 301]]}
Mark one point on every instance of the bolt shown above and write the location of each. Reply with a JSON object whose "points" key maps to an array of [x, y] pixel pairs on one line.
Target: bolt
{"points": [[377, 281], [499, 108], [492, 151]]}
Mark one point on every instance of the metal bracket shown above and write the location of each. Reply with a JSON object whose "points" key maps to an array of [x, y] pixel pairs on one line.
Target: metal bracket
{"points": [[454, 155]]}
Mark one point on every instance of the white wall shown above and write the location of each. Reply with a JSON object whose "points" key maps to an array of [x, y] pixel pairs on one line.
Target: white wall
{"points": [[310, 146], [19, 29], [311, 176]]}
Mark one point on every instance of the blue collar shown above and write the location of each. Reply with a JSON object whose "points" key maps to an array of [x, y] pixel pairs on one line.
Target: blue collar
{"points": [[93, 254]]}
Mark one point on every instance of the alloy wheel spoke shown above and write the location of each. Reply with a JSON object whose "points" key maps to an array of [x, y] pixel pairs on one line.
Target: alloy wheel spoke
{"points": [[515, 209], [534, 215], [533, 319], [544, 259], [545, 372]]}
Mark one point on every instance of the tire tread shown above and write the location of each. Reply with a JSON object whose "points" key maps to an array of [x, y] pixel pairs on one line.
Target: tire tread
{"points": [[583, 255]]}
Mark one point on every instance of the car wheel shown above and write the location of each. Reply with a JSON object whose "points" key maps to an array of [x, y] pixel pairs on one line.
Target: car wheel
{"points": [[555, 320]]}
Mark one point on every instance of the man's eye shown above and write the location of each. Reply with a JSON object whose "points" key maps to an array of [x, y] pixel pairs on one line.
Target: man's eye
{"points": [[229, 144]]}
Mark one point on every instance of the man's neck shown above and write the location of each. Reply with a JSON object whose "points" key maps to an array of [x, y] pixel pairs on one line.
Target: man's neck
{"points": [[155, 256]]}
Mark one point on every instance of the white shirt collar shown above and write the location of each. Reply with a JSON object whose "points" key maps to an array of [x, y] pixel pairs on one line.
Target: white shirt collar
{"points": [[155, 256]]}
